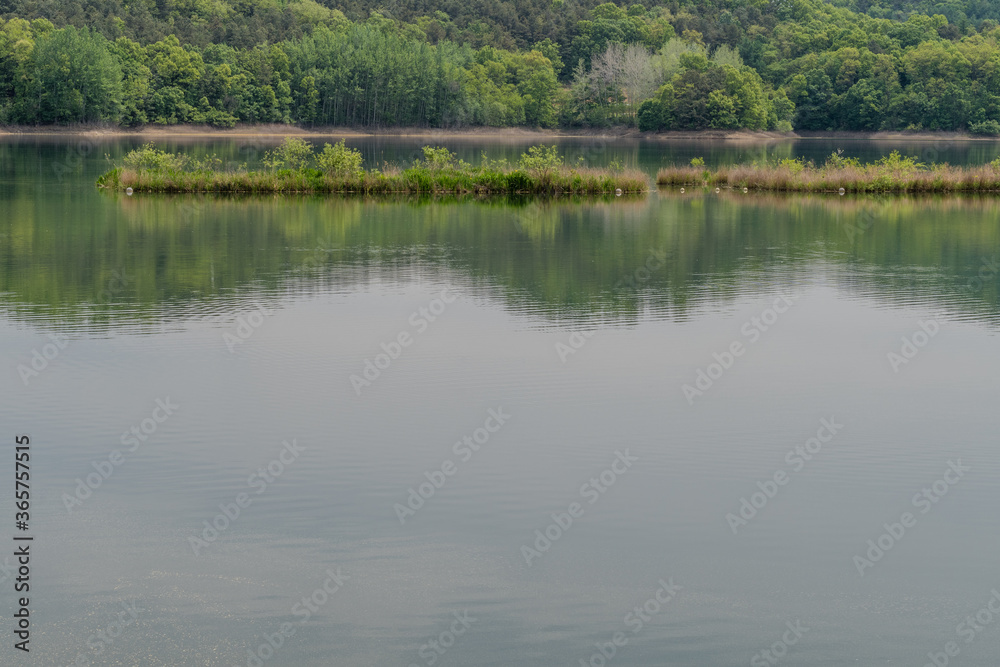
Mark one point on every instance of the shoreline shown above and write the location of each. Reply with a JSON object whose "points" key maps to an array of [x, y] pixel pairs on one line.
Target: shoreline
{"points": [[474, 133]]}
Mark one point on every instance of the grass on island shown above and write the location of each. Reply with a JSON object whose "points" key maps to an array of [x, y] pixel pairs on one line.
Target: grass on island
{"points": [[893, 173], [294, 167]]}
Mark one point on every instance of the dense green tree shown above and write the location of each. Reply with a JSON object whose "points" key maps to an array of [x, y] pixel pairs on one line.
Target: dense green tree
{"points": [[536, 83], [657, 113], [73, 78], [136, 75], [17, 43], [840, 64]]}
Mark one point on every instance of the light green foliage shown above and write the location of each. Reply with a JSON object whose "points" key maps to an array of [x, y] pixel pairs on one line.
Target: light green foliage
{"points": [[148, 158], [794, 165], [550, 50], [338, 160], [437, 158], [209, 163], [727, 55], [310, 11], [838, 161], [293, 153], [541, 159], [669, 57], [488, 164], [505, 89], [900, 164]]}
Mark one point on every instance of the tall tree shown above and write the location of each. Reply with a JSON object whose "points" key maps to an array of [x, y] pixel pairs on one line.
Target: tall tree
{"points": [[74, 78]]}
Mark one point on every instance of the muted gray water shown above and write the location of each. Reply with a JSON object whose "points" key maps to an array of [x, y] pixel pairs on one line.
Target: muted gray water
{"points": [[582, 321]]}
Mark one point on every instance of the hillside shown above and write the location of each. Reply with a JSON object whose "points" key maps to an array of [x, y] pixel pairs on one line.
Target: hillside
{"points": [[757, 64]]}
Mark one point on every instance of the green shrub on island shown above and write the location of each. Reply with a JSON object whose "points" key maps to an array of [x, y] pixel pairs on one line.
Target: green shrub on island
{"points": [[892, 173], [294, 166], [338, 160], [293, 153]]}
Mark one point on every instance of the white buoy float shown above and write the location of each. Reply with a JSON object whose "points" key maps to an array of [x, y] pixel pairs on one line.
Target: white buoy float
{"points": [[128, 191], [717, 190], [745, 190], [842, 190], [618, 192], [682, 190]]}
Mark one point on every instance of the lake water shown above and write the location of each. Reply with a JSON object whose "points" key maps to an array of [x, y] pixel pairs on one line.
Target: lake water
{"points": [[705, 404]]}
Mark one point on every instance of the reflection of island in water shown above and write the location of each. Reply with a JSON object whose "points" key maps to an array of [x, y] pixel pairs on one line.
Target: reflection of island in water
{"points": [[114, 260]]}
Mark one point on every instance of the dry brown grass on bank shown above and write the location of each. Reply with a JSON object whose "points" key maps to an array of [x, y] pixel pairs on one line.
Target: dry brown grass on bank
{"points": [[893, 174]]}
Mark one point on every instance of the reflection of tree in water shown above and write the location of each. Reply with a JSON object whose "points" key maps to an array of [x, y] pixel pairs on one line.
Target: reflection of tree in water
{"points": [[559, 258]]}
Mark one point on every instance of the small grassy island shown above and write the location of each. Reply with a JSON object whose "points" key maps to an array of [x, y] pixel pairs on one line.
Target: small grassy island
{"points": [[892, 174], [294, 167]]}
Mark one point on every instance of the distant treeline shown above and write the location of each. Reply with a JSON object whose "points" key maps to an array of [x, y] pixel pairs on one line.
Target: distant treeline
{"points": [[726, 64]]}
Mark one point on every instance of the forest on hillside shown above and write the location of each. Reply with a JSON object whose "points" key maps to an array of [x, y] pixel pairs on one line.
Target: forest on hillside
{"points": [[859, 65]]}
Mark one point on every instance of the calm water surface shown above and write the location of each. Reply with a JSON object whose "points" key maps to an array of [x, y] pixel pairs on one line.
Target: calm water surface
{"points": [[600, 333]]}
